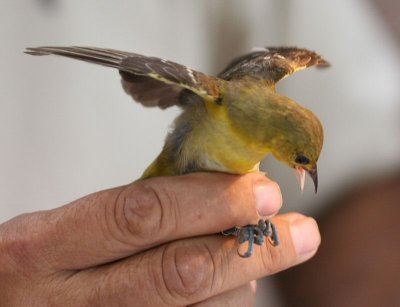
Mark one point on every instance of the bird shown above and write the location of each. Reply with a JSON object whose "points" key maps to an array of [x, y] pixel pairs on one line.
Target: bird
{"points": [[229, 122]]}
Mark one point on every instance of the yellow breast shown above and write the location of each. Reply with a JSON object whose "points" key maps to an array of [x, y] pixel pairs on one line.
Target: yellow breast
{"points": [[218, 146]]}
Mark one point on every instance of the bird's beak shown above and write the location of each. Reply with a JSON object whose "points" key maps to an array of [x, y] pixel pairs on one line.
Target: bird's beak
{"points": [[301, 174], [314, 176]]}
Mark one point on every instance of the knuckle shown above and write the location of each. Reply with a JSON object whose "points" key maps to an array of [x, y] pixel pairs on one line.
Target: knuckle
{"points": [[145, 211], [188, 271]]}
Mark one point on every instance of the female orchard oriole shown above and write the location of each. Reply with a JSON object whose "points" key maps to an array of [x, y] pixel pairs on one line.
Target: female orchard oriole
{"points": [[228, 123]]}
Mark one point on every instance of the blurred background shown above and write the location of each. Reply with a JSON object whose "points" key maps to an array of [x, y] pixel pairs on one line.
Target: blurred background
{"points": [[67, 129]]}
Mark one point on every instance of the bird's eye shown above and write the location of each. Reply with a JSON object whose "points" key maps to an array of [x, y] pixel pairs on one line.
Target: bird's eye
{"points": [[300, 159]]}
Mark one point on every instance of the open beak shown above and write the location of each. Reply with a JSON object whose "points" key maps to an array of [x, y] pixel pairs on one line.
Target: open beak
{"points": [[301, 174], [314, 176]]}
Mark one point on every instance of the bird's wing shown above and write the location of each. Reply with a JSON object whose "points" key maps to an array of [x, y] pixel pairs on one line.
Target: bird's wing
{"points": [[149, 80], [272, 64]]}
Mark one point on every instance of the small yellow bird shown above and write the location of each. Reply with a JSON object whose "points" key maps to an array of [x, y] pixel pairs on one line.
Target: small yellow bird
{"points": [[229, 123]]}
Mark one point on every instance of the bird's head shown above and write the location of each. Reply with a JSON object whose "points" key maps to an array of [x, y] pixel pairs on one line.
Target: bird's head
{"points": [[301, 147], [279, 125]]}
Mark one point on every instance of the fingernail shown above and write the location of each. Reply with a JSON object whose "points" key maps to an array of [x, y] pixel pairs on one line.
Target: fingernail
{"points": [[305, 236], [268, 199]]}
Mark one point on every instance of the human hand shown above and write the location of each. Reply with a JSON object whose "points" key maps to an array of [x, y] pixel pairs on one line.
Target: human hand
{"points": [[150, 243]]}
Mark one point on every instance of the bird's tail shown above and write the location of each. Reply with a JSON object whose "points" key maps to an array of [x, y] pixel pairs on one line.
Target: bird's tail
{"points": [[107, 57]]}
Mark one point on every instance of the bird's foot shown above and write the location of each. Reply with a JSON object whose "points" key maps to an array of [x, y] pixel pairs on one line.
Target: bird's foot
{"points": [[254, 234]]}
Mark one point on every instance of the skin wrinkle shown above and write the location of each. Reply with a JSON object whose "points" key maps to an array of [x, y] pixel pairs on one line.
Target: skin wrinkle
{"points": [[173, 293], [183, 262], [183, 267], [115, 224], [119, 199], [225, 266], [119, 219], [213, 277], [154, 234], [164, 282], [169, 215], [273, 257], [107, 231], [265, 257], [156, 280], [175, 213], [178, 273]]}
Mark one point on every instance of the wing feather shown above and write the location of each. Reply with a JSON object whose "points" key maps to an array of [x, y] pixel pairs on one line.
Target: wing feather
{"points": [[272, 64], [149, 80]]}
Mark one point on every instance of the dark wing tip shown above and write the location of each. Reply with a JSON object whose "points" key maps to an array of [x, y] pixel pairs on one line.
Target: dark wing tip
{"points": [[300, 54], [322, 63], [36, 51], [272, 63]]}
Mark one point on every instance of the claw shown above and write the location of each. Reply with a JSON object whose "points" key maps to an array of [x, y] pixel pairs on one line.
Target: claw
{"points": [[254, 234], [265, 227], [245, 234], [274, 239], [258, 236], [249, 251]]}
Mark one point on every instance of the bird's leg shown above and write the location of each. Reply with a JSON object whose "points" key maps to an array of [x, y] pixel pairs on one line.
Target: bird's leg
{"points": [[254, 234], [246, 234], [234, 231], [249, 233]]}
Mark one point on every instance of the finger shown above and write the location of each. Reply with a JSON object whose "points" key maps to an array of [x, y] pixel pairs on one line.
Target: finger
{"points": [[239, 297], [192, 270], [113, 224]]}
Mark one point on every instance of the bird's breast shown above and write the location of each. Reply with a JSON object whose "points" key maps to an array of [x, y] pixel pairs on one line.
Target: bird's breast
{"points": [[216, 146]]}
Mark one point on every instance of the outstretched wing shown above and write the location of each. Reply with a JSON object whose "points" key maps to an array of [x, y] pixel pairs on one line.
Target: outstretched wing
{"points": [[149, 80], [272, 64]]}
